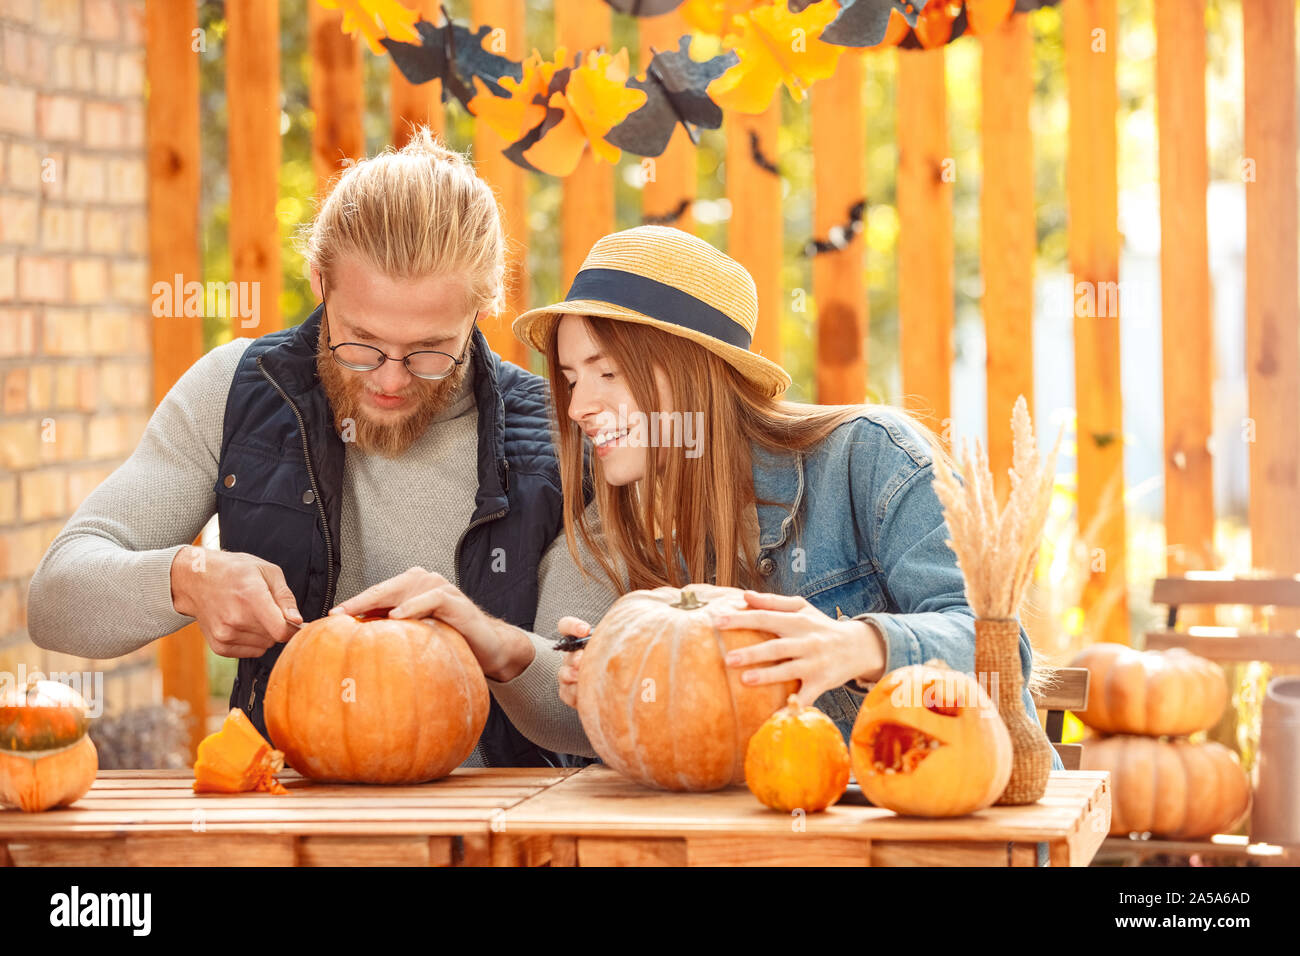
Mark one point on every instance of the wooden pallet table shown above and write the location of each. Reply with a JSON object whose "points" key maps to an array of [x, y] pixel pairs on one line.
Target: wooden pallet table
{"points": [[598, 818], [153, 818]]}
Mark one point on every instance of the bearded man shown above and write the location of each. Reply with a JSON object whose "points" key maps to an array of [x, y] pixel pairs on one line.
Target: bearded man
{"points": [[379, 438]]}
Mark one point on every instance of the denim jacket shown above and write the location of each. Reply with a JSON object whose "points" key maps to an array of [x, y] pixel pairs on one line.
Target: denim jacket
{"points": [[859, 532]]}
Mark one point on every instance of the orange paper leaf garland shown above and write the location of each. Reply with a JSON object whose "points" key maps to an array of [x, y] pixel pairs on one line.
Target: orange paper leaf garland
{"points": [[934, 23], [776, 46], [714, 16], [525, 107], [984, 16], [593, 102], [376, 19]]}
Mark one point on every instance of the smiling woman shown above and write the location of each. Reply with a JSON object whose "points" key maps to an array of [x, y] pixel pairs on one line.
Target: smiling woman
{"points": [[825, 514]]}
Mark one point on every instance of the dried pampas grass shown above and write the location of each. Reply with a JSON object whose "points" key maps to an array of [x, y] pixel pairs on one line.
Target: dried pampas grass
{"points": [[997, 551]]}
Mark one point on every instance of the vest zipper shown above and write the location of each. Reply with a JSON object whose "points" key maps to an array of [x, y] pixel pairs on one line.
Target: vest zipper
{"points": [[311, 477], [472, 526], [483, 520]]}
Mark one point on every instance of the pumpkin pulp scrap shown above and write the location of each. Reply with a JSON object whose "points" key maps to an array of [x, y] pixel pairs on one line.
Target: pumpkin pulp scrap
{"points": [[236, 759]]}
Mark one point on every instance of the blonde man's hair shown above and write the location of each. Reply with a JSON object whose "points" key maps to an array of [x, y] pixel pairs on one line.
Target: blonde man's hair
{"points": [[412, 212]]}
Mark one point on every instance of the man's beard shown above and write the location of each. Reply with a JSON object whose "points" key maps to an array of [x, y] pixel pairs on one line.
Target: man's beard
{"points": [[343, 392]]}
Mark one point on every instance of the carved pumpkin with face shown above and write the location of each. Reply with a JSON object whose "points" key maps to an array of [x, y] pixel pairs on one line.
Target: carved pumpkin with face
{"points": [[929, 742]]}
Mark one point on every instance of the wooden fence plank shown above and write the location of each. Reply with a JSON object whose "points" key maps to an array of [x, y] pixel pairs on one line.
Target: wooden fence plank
{"points": [[839, 277], [754, 235], [1272, 312], [1008, 232], [253, 104], [412, 105], [670, 188], [1091, 36], [925, 254], [336, 95], [173, 149], [1187, 335], [510, 183], [587, 204]]}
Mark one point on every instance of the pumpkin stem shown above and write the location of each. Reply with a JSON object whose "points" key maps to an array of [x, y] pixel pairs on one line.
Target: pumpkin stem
{"points": [[689, 602]]}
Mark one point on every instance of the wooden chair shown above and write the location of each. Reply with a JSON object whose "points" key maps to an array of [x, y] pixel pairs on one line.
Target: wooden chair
{"points": [[1069, 692], [1227, 644]]}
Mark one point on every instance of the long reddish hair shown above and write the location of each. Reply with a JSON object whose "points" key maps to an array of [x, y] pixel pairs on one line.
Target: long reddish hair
{"points": [[697, 504]]}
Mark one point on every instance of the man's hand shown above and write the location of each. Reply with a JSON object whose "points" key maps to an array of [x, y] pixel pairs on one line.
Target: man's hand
{"points": [[502, 650], [241, 602]]}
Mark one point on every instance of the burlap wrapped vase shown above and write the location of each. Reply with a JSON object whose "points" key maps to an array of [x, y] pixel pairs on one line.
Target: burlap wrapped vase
{"points": [[997, 665]]}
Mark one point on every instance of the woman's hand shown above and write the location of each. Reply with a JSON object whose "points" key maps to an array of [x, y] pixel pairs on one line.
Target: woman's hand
{"points": [[567, 676], [502, 650], [810, 647]]}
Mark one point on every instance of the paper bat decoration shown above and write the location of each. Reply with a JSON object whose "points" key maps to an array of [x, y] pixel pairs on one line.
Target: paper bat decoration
{"points": [[451, 53], [668, 218], [759, 157], [839, 236], [674, 85], [375, 19], [645, 8], [864, 23], [768, 58]]}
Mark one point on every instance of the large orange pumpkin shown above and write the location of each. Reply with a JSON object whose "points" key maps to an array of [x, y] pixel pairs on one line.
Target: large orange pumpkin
{"points": [[656, 700], [797, 760], [929, 742], [377, 700], [46, 757], [1170, 788], [1153, 693]]}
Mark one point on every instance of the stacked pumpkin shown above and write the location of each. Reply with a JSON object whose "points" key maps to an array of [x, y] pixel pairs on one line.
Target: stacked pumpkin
{"points": [[1143, 705], [47, 758]]}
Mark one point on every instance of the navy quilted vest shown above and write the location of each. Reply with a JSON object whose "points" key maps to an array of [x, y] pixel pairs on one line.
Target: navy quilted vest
{"points": [[283, 502]]}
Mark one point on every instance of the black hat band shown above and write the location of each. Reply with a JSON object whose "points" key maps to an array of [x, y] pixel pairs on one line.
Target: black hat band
{"points": [[659, 301]]}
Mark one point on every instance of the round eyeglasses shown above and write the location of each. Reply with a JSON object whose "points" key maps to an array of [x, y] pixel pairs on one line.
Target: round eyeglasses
{"points": [[425, 363]]}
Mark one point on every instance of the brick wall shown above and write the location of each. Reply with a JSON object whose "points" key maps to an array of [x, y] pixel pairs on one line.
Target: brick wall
{"points": [[75, 376]]}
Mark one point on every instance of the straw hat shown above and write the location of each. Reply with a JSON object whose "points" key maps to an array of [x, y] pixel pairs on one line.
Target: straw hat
{"points": [[672, 280]]}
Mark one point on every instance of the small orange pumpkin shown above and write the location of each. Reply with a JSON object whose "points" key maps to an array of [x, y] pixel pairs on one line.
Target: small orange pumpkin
{"points": [[46, 757], [797, 760], [1153, 693], [1170, 788], [376, 700], [929, 742], [236, 759]]}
